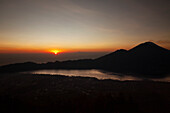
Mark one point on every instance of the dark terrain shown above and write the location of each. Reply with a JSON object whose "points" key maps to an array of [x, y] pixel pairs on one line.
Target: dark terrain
{"points": [[24, 93]]}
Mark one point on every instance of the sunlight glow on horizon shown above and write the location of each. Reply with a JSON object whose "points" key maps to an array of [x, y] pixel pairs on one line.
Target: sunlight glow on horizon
{"points": [[55, 51]]}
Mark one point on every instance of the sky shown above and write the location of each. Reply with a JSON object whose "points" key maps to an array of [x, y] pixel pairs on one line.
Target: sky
{"points": [[82, 25], [37, 26]]}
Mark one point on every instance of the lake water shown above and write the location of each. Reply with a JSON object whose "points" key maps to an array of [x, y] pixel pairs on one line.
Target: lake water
{"points": [[99, 74]]}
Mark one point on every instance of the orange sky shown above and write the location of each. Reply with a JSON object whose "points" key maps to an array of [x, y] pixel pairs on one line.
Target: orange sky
{"points": [[28, 26]]}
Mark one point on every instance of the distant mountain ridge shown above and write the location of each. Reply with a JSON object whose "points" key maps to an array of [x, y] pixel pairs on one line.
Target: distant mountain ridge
{"points": [[145, 58]]}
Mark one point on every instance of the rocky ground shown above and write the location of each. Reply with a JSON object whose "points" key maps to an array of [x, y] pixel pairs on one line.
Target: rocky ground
{"points": [[26, 93]]}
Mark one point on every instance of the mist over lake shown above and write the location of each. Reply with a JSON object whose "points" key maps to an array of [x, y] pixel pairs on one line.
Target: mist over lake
{"points": [[99, 74]]}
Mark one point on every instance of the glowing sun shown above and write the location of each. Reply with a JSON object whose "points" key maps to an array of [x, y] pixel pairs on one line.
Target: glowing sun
{"points": [[55, 51]]}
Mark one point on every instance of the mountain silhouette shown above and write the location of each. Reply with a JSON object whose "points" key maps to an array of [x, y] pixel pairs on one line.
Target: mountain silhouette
{"points": [[145, 58]]}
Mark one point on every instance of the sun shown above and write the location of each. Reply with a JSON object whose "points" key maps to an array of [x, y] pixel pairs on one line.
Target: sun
{"points": [[55, 51]]}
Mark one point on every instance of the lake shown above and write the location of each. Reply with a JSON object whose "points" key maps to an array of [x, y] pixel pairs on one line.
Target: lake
{"points": [[99, 74]]}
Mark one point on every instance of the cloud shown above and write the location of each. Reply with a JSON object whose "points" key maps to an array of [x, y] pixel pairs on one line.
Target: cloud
{"points": [[108, 30], [75, 8]]}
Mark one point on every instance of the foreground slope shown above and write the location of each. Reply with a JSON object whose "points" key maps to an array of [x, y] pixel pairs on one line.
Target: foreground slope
{"points": [[24, 93]]}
